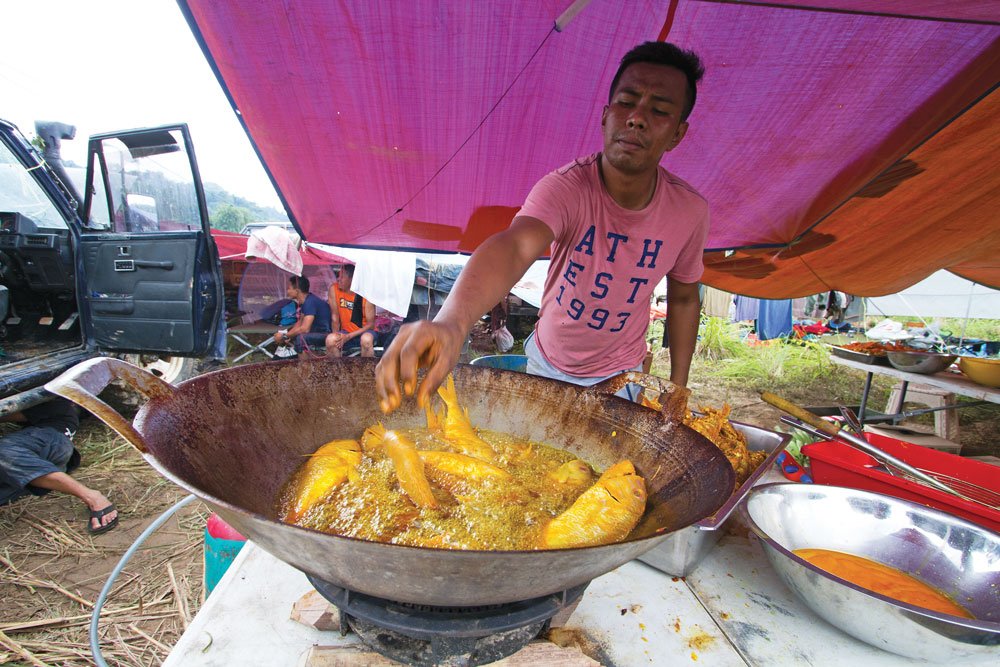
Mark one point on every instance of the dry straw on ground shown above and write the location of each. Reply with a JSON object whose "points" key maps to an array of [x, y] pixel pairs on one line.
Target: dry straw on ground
{"points": [[51, 570]]}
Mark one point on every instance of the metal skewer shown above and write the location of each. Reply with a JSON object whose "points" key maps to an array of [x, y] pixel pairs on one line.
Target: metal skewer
{"points": [[835, 431]]}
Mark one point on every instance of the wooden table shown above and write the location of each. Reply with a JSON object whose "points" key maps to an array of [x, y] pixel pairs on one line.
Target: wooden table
{"points": [[955, 383]]}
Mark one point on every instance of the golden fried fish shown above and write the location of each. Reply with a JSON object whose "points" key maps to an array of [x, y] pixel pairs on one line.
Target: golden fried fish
{"points": [[434, 418], [573, 473], [406, 460], [456, 427], [461, 465], [327, 467], [605, 513]]}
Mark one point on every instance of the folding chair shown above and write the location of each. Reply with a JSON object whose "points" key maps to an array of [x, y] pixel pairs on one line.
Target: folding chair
{"points": [[241, 332]]}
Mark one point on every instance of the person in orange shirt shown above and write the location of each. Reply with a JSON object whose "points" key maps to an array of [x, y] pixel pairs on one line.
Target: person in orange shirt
{"points": [[352, 318]]}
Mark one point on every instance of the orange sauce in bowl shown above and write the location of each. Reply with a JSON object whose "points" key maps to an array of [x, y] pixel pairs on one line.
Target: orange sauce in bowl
{"points": [[882, 579]]}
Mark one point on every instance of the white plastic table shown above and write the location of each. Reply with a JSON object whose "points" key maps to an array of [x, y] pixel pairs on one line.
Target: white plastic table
{"points": [[731, 611]]}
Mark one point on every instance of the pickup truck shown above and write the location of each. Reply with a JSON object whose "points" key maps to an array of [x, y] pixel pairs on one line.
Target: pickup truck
{"points": [[128, 269]]}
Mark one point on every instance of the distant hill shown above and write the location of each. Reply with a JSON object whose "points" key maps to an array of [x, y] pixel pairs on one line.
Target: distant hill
{"points": [[231, 212]]}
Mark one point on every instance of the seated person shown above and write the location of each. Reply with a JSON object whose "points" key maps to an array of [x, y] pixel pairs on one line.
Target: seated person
{"points": [[354, 319], [37, 458], [313, 323]]}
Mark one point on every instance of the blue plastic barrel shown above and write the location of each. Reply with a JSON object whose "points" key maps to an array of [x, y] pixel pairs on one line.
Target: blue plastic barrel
{"points": [[508, 362]]}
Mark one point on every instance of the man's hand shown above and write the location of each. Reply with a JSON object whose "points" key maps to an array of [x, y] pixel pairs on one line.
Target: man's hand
{"points": [[487, 277], [435, 346]]}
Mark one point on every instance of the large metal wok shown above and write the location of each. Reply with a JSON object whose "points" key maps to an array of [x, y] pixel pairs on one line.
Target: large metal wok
{"points": [[234, 436]]}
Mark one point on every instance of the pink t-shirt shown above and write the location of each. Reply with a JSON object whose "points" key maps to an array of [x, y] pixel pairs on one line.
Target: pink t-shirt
{"points": [[606, 260]]}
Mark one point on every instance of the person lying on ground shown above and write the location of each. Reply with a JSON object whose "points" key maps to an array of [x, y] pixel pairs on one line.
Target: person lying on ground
{"points": [[313, 323], [37, 459], [614, 223]]}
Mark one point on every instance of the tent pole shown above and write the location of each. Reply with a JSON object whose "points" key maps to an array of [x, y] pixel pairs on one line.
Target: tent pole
{"points": [[570, 14], [968, 308]]}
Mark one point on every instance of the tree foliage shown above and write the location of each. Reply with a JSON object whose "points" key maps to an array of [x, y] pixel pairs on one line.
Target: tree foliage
{"points": [[232, 213]]}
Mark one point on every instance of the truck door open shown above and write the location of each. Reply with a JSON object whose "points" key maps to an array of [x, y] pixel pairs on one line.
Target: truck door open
{"points": [[150, 269]]}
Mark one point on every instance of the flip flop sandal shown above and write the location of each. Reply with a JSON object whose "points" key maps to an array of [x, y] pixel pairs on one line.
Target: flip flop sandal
{"points": [[99, 514]]}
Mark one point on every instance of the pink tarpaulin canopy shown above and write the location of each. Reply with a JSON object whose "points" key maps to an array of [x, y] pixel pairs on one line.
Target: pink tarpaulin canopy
{"points": [[423, 124]]}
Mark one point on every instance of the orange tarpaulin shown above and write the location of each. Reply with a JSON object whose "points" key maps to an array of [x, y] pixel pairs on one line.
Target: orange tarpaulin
{"points": [[937, 208]]}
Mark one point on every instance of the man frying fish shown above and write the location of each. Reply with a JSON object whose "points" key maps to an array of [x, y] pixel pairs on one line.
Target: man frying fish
{"points": [[614, 223]]}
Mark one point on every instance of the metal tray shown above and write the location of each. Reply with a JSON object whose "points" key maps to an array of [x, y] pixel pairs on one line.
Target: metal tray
{"points": [[860, 357], [683, 549]]}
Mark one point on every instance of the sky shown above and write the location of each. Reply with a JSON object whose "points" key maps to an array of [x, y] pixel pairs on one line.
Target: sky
{"points": [[105, 65]]}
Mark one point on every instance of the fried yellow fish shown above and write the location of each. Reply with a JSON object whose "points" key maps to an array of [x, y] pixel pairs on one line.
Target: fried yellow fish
{"points": [[434, 418], [464, 466], [327, 467], [573, 473], [456, 427], [406, 461], [606, 512], [714, 424]]}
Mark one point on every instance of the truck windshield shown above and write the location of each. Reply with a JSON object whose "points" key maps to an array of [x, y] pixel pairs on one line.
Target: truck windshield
{"points": [[20, 193]]}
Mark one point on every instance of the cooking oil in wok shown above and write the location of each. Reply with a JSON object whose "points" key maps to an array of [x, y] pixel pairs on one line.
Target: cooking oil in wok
{"points": [[475, 510]]}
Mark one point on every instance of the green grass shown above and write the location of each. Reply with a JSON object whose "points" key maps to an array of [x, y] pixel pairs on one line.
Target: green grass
{"points": [[799, 370], [764, 366], [719, 339]]}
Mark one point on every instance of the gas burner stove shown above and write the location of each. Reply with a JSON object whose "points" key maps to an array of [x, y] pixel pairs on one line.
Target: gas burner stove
{"points": [[417, 634]]}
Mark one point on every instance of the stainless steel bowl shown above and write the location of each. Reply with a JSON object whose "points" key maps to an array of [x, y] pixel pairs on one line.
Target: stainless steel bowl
{"points": [[955, 556], [684, 549], [926, 363]]}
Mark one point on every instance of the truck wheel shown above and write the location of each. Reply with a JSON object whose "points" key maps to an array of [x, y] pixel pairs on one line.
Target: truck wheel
{"points": [[167, 368]]}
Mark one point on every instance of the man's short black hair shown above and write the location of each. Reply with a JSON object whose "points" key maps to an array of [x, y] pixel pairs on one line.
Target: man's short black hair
{"points": [[300, 283], [348, 269], [665, 53]]}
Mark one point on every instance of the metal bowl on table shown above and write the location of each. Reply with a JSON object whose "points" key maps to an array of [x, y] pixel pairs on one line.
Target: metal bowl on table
{"points": [[926, 363], [959, 558]]}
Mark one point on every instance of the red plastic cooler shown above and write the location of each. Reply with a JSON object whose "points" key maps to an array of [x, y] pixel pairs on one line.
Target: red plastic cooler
{"points": [[838, 464]]}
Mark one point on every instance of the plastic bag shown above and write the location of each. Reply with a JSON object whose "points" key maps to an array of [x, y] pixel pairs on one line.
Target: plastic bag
{"points": [[504, 339], [887, 330]]}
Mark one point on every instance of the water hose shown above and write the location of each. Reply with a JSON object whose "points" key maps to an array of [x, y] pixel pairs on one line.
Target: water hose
{"points": [[95, 617]]}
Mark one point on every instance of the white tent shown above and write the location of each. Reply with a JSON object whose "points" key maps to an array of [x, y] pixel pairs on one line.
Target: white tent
{"points": [[942, 294]]}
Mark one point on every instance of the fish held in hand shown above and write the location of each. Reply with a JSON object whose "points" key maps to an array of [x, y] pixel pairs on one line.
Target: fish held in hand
{"points": [[407, 463], [605, 513], [327, 467], [456, 427]]}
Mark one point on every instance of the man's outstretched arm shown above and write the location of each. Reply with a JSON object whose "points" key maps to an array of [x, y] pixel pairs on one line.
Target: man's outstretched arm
{"points": [[436, 345]]}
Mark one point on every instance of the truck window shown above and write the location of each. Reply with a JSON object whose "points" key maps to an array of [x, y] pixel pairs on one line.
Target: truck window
{"points": [[151, 185]]}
